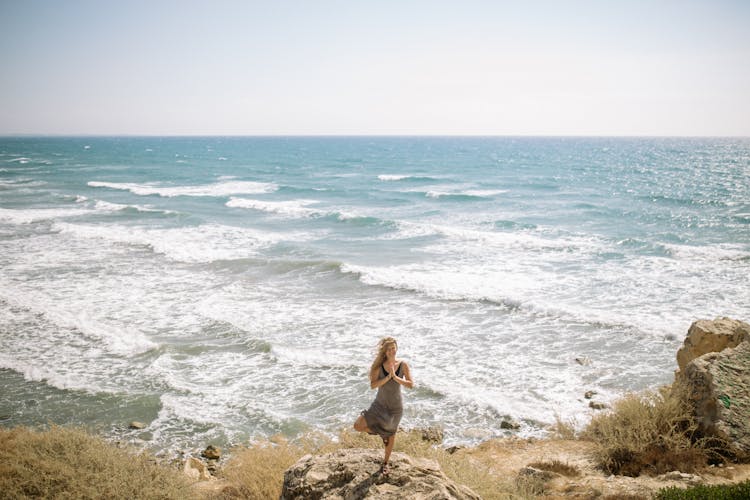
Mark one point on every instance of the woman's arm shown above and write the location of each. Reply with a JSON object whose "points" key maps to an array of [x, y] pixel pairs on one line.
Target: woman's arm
{"points": [[375, 382], [406, 380]]}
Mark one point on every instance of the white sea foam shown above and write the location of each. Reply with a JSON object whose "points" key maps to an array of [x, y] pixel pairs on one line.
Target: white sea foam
{"points": [[709, 252], [218, 189], [293, 208], [107, 206], [204, 243], [22, 182], [347, 215], [476, 193], [28, 216], [387, 177], [468, 282], [462, 239], [36, 371], [116, 339], [485, 193]]}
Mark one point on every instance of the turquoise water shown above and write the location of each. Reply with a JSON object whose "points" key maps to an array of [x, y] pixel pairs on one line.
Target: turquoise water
{"points": [[223, 289]]}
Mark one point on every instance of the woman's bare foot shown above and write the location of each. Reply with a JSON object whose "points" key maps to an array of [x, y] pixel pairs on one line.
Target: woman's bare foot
{"points": [[385, 470]]}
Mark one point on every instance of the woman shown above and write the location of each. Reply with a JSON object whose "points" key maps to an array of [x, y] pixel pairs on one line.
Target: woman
{"points": [[387, 374]]}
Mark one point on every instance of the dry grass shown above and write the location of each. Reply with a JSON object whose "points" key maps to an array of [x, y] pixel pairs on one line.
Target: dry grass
{"points": [[649, 433], [558, 467], [563, 429], [70, 463], [258, 471]]}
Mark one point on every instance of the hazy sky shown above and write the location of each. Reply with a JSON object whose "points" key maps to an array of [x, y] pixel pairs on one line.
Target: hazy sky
{"points": [[599, 67]]}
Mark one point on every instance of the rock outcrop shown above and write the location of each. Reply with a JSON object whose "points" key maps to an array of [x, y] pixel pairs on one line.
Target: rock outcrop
{"points": [[717, 384], [355, 474], [705, 336], [212, 452], [196, 470]]}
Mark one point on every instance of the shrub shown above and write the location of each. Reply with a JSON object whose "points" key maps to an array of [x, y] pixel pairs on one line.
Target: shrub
{"points": [[653, 432], [70, 463], [563, 429], [558, 467], [739, 491]]}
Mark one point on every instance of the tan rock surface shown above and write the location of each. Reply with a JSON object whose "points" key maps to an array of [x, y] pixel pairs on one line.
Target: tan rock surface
{"points": [[718, 386], [196, 470], [705, 336], [354, 474]]}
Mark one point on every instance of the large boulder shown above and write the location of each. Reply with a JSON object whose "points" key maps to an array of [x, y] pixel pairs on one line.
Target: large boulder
{"points": [[717, 384], [355, 473], [706, 336]]}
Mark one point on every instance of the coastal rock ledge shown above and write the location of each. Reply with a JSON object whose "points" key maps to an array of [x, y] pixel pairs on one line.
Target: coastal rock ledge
{"points": [[355, 473], [717, 380], [705, 336]]}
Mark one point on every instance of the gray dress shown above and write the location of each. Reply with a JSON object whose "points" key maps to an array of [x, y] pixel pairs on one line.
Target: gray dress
{"points": [[385, 412]]}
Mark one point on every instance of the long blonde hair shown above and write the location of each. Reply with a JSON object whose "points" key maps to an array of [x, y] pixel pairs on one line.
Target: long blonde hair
{"points": [[384, 344]]}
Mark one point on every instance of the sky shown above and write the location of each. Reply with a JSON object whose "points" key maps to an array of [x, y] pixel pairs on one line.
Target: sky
{"points": [[379, 67]]}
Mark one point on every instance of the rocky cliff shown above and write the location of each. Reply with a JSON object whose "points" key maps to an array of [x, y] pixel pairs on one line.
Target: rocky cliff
{"points": [[715, 373]]}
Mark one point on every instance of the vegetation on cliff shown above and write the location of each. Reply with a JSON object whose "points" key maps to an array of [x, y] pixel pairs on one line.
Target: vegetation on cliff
{"points": [[70, 463]]}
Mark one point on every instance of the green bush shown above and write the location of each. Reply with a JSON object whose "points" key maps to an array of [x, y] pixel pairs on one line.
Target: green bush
{"points": [[739, 491]]}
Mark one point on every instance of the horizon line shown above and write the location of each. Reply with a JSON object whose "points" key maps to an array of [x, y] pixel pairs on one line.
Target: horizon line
{"points": [[209, 135]]}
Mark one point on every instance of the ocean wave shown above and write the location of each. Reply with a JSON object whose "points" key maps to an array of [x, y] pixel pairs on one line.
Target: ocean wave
{"points": [[219, 189], [407, 177], [468, 195], [363, 220], [29, 216], [299, 209], [107, 206], [40, 372], [293, 208], [535, 240], [456, 284], [23, 182], [115, 339], [534, 293], [197, 244], [708, 253], [283, 189]]}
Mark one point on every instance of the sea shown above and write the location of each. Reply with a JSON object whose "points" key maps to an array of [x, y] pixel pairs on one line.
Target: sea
{"points": [[227, 289]]}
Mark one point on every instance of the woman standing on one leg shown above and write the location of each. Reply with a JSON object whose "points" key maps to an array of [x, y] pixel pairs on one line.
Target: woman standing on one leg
{"points": [[387, 375]]}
